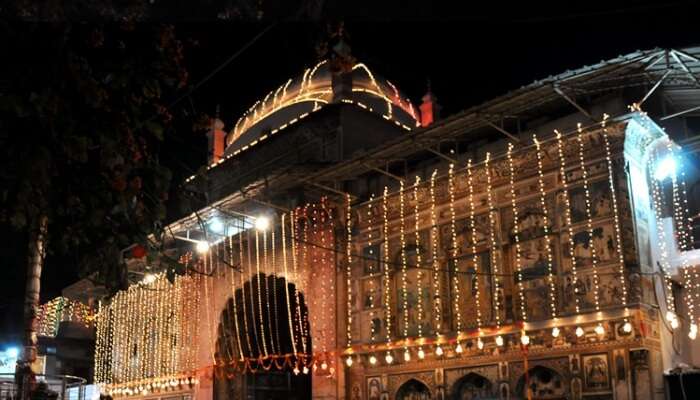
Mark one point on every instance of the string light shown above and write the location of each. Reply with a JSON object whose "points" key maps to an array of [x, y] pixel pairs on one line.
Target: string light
{"points": [[627, 327], [436, 264], [663, 251], [454, 252], [348, 271], [547, 238], [475, 257], [387, 292], [234, 301], [589, 221], [694, 284], [370, 228], [494, 246], [524, 338], [416, 214], [404, 289], [286, 283], [567, 218], [302, 331]]}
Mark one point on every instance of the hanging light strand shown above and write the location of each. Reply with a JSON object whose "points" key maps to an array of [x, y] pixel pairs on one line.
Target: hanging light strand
{"points": [[370, 233], [494, 244], [387, 276], [404, 271], [589, 219], [348, 265], [475, 256], [454, 250], [548, 240], [234, 301], [516, 236], [286, 284], [616, 216], [419, 278], [437, 304]]}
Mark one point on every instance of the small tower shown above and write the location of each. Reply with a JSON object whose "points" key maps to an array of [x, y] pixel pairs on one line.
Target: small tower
{"points": [[340, 61], [216, 136], [429, 108]]}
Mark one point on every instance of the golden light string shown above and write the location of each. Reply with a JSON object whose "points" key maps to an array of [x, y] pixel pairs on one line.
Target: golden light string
{"points": [[524, 338], [663, 252], [243, 294], [260, 306], [387, 277], [302, 333], [454, 253], [370, 230], [567, 219], [274, 288], [548, 240], [348, 269], [305, 262], [434, 252], [404, 272], [589, 222], [419, 278], [232, 283], [680, 225], [475, 257], [695, 283], [265, 276], [494, 245], [616, 220], [251, 278], [286, 282]]}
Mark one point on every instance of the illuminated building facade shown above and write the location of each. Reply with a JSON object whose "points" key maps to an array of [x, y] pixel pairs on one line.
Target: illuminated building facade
{"points": [[538, 245]]}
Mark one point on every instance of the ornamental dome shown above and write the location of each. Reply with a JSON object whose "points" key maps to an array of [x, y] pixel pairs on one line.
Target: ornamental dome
{"points": [[311, 91]]}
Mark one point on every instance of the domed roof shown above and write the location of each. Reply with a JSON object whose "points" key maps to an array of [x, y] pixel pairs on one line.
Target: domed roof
{"points": [[309, 92]]}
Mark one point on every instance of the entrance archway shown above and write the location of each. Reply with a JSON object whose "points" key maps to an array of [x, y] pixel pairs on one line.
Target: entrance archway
{"points": [[544, 384], [473, 386], [413, 389], [269, 384]]}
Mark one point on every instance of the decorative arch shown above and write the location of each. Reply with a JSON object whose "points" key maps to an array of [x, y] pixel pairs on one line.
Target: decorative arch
{"points": [[544, 383], [413, 389], [473, 386], [232, 381]]}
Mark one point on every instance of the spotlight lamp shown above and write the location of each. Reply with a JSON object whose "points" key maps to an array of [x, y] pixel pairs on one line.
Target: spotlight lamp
{"points": [[202, 247], [262, 223], [665, 168]]}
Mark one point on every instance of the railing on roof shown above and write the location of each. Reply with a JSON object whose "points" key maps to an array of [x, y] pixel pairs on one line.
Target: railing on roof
{"points": [[48, 387]]}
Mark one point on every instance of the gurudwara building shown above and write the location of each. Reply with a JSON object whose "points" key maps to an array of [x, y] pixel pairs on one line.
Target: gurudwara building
{"points": [[355, 246]]}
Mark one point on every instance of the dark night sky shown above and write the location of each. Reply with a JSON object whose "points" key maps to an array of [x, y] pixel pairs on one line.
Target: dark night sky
{"points": [[470, 58]]}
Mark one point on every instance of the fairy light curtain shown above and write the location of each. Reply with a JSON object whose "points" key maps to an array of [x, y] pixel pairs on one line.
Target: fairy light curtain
{"points": [[148, 336], [60, 309]]}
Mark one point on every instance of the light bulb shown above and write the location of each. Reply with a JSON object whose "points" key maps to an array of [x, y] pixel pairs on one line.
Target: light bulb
{"points": [[670, 316], [499, 340], [627, 327], [599, 329], [693, 333], [148, 279], [262, 223], [324, 366], [480, 344], [555, 332], [674, 323], [525, 339], [389, 358], [372, 359], [459, 348], [407, 356], [296, 370], [579, 331], [348, 361], [438, 350], [421, 353], [305, 370], [202, 247]]}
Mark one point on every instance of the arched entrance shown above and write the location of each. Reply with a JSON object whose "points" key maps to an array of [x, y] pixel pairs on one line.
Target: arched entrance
{"points": [[544, 383], [265, 384], [413, 390], [473, 386]]}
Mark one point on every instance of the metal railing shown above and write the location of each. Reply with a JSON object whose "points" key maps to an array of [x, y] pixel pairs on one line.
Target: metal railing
{"points": [[47, 387]]}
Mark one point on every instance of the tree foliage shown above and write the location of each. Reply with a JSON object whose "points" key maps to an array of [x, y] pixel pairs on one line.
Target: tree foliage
{"points": [[83, 111]]}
